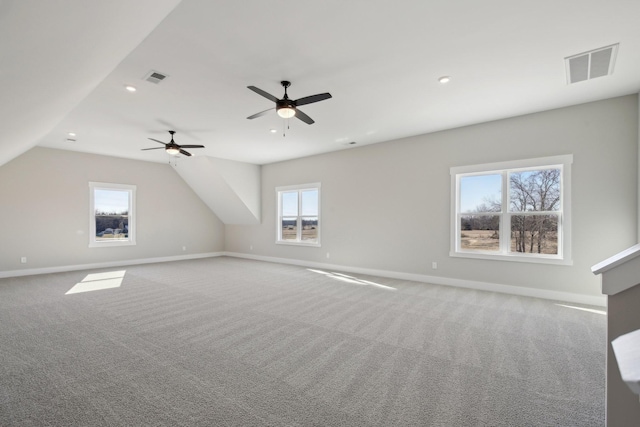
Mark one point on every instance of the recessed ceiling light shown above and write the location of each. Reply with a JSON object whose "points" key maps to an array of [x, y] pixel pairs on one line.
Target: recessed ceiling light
{"points": [[130, 88], [444, 79], [71, 134], [273, 130]]}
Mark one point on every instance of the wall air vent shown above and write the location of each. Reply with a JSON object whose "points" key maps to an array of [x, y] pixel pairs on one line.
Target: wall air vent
{"points": [[592, 64], [155, 77]]}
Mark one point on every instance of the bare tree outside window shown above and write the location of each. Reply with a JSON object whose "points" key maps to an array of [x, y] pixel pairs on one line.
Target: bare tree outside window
{"points": [[534, 191]]}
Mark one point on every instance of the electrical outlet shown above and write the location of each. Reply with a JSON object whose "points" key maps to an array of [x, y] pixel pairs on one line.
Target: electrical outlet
{"points": [[250, 247], [184, 248], [23, 260], [434, 265], [327, 254]]}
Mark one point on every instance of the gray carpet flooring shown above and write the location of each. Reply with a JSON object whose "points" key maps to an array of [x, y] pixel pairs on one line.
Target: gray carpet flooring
{"points": [[232, 342]]}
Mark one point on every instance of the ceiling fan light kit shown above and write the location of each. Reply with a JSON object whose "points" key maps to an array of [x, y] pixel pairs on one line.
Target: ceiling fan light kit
{"points": [[286, 112]]}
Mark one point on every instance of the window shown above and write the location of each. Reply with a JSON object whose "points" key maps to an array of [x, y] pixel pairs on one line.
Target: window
{"points": [[516, 211], [111, 214], [299, 215]]}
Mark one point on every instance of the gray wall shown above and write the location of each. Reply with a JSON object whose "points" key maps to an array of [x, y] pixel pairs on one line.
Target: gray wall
{"points": [[44, 213], [387, 206]]}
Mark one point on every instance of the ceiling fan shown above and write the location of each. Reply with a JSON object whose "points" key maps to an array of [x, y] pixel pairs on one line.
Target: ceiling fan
{"points": [[286, 107], [173, 148]]}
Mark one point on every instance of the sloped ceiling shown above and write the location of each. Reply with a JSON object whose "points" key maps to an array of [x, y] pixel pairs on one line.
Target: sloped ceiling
{"points": [[55, 54], [65, 65]]}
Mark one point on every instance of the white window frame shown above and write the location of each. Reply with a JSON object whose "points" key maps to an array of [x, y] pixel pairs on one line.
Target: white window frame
{"points": [[299, 189], [562, 162], [131, 239]]}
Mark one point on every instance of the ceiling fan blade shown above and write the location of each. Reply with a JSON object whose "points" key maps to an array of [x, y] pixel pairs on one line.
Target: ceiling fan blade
{"points": [[263, 93], [154, 148], [159, 142], [302, 116], [313, 98], [261, 113], [192, 146], [186, 153]]}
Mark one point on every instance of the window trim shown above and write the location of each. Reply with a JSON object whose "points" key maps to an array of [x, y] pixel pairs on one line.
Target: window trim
{"points": [[131, 241], [563, 162], [299, 189]]}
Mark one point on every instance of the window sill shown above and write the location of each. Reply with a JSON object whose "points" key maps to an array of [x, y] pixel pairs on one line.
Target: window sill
{"points": [[296, 243], [533, 259], [107, 244]]}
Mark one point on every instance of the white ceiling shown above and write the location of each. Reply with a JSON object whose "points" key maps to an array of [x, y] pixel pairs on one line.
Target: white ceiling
{"points": [[380, 60]]}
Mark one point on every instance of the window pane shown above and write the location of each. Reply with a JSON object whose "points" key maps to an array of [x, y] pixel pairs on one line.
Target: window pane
{"points": [[289, 228], [111, 201], [290, 203], [480, 232], [112, 227], [481, 193], [534, 234], [537, 190], [111, 214], [310, 202], [310, 229]]}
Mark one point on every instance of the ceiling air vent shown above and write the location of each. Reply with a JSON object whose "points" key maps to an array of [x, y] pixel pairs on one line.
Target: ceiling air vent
{"points": [[155, 77], [592, 64]]}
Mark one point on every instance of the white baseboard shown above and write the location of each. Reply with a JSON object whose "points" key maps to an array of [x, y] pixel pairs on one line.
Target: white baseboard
{"points": [[109, 264], [470, 284], [595, 300]]}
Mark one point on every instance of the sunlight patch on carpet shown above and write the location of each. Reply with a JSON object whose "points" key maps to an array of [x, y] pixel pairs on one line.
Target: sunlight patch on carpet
{"points": [[98, 282], [590, 310], [350, 279]]}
